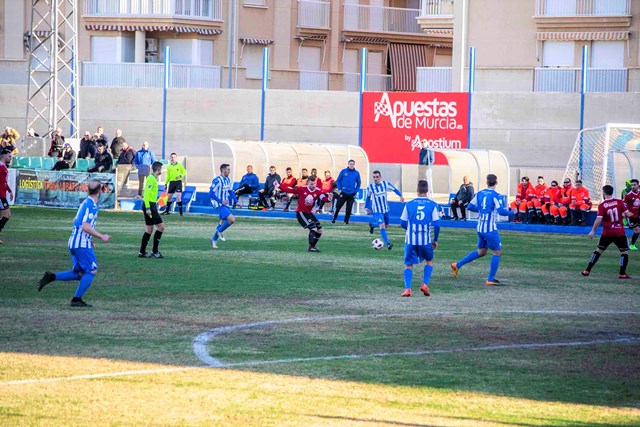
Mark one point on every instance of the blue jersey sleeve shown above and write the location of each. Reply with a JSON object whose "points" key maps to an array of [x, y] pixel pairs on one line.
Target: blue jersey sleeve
{"points": [[213, 190]]}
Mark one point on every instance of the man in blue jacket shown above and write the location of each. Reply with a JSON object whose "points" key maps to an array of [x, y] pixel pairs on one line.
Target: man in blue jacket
{"points": [[348, 182], [249, 183], [143, 160]]}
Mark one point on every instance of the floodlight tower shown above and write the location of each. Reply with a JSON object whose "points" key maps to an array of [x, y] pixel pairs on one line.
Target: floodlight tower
{"points": [[52, 97]]}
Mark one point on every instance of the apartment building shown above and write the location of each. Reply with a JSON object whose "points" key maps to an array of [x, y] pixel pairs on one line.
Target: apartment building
{"points": [[521, 45]]}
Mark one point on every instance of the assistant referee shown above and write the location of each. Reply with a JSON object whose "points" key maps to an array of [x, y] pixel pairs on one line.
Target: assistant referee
{"points": [[175, 174]]}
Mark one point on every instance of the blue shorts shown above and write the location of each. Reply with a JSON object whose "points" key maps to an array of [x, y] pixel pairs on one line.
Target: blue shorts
{"points": [[379, 219], [84, 260], [223, 211], [489, 240], [415, 254]]}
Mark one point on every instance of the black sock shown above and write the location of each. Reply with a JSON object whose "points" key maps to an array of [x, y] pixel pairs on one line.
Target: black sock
{"points": [[624, 260], [168, 207], [145, 239], [316, 238], [3, 221], [156, 240], [180, 207], [311, 237], [594, 258], [634, 238]]}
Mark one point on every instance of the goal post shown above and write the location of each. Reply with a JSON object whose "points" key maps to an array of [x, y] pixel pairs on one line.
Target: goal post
{"points": [[608, 154]]}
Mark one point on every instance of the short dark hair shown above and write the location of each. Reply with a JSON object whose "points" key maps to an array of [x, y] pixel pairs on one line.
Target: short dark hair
{"points": [[492, 180], [94, 187], [173, 154], [272, 167], [635, 181], [304, 169], [579, 181], [377, 172], [554, 182], [351, 161], [541, 177], [224, 166], [525, 178], [156, 166], [607, 190], [423, 187], [289, 169]]}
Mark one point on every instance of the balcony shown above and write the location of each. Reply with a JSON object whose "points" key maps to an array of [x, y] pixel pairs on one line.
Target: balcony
{"points": [[191, 9], [313, 80], [433, 79], [570, 80], [381, 19], [601, 14], [375, 82], [127, 74], [313, 14], [436, 14]]}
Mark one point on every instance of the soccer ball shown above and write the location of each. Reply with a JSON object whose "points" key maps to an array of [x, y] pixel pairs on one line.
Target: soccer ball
{"points": [[377, 244]]}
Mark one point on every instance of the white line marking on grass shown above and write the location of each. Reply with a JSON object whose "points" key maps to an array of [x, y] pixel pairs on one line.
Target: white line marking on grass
{"points": [[201, 342]]}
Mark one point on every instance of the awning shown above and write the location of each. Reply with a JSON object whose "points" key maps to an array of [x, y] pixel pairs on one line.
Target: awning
{"points": [[177, 29], [583, 35], [405, 58], [40, 35], [317, 37], [364, 40], [255, 40]]}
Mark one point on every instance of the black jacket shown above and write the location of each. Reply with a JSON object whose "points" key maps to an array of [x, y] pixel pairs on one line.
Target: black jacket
{"points": [[465, 193], [271, 179], [116, 146], [104, 162], [88, 148], [126, 156]]}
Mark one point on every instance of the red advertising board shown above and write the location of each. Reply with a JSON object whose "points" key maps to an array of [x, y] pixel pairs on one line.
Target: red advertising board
{"points": [[396, 125]]}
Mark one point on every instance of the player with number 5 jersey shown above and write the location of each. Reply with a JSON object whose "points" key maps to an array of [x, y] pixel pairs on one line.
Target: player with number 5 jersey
{"points": [[489, 205], [610, 214], [418, 217]]}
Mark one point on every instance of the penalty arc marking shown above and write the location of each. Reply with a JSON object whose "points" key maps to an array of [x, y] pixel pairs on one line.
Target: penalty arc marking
{"points": [[201, 342]]}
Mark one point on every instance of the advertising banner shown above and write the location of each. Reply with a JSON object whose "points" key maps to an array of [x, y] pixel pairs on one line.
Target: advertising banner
{"points": [[62, 189], [397, 125]]}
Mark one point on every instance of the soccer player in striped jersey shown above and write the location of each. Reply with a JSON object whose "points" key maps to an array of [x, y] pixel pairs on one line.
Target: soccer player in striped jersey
{"points": [[85, 265], [488, 203], [5, 212], [221, 194], [151, 215], [377, 205], [418, 217]]}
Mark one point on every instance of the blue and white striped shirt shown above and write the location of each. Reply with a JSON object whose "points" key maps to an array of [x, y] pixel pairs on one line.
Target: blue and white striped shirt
{"points": [[376, 197], [88, 212], [221, 190], [420, 215], [488, 203]]}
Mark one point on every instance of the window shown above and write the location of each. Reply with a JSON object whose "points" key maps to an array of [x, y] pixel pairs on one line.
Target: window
{"points": [[606, 54], [252, 61], [255, 3], [558, 54]]}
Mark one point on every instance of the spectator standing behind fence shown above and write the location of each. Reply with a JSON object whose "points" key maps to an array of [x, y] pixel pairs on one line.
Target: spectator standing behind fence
{"points": [[88, 146], [8, 141], [348, 182], [462, 199], [125, 163], [143, 159], [249, 183], [67, 160], [103, 161], [269, 191], [117, 145], [57, 142]]}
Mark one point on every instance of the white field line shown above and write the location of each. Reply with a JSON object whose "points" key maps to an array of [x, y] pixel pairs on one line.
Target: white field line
{"points": [[201, 341]]}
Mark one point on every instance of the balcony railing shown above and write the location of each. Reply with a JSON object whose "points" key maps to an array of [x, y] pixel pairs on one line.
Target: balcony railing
{"points": [[381, 19], [433, 79], [314, 80], [313, 14], [551, 8], [199, 9], [570, 80], [436, 8], [375, 82], [127, 74]]}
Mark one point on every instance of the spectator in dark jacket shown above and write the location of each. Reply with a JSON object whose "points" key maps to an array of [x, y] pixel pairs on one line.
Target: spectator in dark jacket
{"points": [[67, 160], [462, 199], [269, 190], [88, 146], [103, 161], [117, 144], [126, 155], [57, 142]]}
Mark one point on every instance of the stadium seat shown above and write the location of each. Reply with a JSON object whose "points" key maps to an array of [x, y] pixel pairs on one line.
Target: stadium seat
{"points": [[36, 162], [47, 162], [359, 201], [188, 196], [81, 165]]}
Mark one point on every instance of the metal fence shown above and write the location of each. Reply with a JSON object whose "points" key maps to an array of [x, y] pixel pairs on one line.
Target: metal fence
{"points": [[433, 79], [436, 7], [375, 82], [313, 80], [313, 14], [381, 19], [570, 80], [150, 75], [582, 7], [208, 9]]}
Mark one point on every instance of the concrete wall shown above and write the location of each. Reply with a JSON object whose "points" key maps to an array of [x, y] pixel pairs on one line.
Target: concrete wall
{"points": [[536, 131]]}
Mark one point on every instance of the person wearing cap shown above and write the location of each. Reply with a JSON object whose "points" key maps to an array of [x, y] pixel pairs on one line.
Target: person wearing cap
{"points": [[67, 160], [88, 146]]}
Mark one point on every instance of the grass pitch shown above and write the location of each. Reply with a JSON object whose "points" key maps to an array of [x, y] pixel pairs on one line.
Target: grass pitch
{"points": [[334, 343]]}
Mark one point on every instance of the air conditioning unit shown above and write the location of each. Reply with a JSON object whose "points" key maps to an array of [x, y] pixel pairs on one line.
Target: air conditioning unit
{"points": [[151, 45]]}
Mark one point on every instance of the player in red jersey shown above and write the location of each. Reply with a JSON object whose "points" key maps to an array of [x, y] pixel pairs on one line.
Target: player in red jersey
{"points": [[524, 200], [580, 203], [307, 196], [5, 212], [610, 213], [632, 200]]}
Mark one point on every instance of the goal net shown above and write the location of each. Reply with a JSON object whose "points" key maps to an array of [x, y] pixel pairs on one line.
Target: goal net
{"points": [[603, 155]]}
